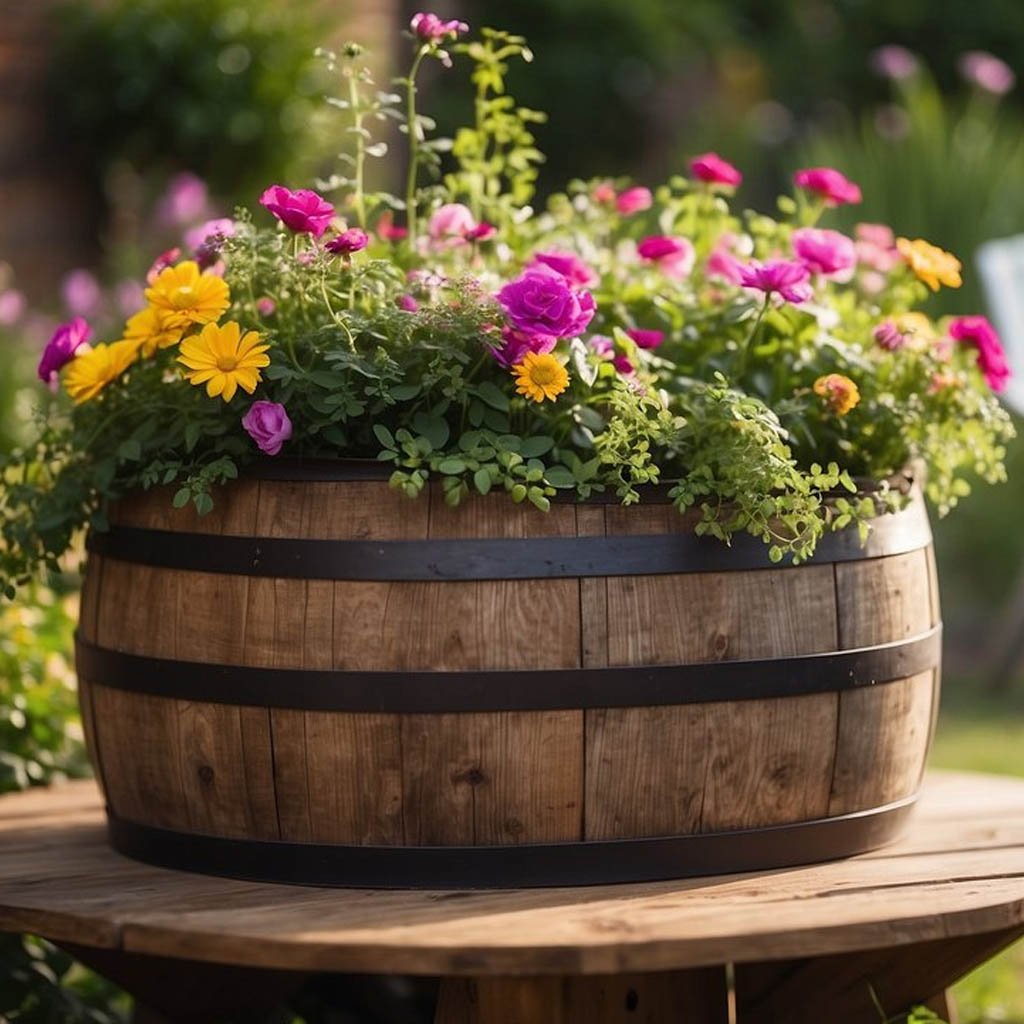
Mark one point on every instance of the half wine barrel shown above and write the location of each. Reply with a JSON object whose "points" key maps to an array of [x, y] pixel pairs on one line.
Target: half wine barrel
{"points": [[325, 682]]}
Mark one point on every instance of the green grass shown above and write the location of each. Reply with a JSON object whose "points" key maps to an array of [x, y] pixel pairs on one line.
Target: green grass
{"points": [[985, 735]]}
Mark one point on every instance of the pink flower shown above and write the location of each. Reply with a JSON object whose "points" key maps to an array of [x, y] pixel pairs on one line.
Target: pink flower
{"points": [[713, 169], [81, 293], [166, 259], [876, 247], [647, 339], [605, 349], [266, 306], [451, 223], [832, 186], [212, 230], [515, 344], [826, 252], [977, 331], [348, 242], [568, 265], [541, 302], [386, 228], [895, 62], [12, 307], [482, 232], [431, 29], [267, 423], [786, 277], [987, 72], [673, 255], [722, 262], [604, 192], [633, 200], [408, 303], [302, 211], [65, 344], [185, 200], [130, 295], [888, 336]]}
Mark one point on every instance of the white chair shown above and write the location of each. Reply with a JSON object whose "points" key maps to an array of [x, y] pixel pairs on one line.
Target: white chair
{"points": [[1001, 268]]}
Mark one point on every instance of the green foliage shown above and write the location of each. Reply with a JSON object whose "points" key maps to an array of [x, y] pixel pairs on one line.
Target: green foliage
{"points": [[219, 87]]}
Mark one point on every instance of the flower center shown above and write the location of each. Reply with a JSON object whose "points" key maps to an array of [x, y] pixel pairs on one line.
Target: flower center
{"points": [[543, 373], [227, 363]]}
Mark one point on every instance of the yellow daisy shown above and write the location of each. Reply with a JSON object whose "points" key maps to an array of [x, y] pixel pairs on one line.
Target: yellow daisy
{"points": [[188, 297], [540, 376], [152, 329], [88, 374], [224, 359], [839, 391], [931, 264]]}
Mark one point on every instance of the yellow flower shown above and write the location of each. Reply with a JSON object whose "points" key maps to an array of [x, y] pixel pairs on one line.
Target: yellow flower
{"points": [[840, 392], [152, 329], [187, 296], [88, 374], [540, 376], [931, 264], [224, 359]]}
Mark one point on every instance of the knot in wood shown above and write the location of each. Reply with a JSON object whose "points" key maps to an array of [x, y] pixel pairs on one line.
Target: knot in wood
{"points": [[472, 776], [205, 774]]}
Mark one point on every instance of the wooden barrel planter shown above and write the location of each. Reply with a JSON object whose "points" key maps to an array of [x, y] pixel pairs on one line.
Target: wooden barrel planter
{"points": [[324, 682]]}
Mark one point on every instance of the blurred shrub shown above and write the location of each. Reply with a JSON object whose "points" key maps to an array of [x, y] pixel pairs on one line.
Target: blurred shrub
{"points": [[220, 87], [945, 169]]}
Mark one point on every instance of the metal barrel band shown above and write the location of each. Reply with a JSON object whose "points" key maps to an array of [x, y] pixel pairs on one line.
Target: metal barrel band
{"points": [[595, 862], [492, 559], [418, 692]]}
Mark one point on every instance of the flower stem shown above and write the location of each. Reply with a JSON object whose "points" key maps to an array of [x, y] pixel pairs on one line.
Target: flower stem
{"points": [[334, 316], [412, 126], [749, 343], [357, 121]]}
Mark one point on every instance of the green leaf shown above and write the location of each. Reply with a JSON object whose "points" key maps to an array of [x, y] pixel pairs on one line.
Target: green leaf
{"points": [[452, 467], [384, 436], [204, 503], [130, 450], [192, 432], [482, 481], [404, 392], [538, 499], [534, 446], [182, 497], [493, 396], [585, 368], [559, 476]]}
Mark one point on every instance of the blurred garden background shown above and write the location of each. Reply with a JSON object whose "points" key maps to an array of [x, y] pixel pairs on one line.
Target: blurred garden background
{"points": [[123, 123]]}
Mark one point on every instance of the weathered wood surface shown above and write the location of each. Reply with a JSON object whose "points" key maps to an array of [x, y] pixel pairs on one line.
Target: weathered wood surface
{"points": [[496, 778], [960, 872]]}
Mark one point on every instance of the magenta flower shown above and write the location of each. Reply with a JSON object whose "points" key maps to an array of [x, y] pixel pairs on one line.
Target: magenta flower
{"points": [[605, 349], [833, 187], [185, 201], [634, 200], [674, 256], [267, 423], [65, 344], [266, 306], [515, 344], [888, 336], [81, 293], [407, 303], [647, 339], [785, 277], [166, 259], [714, 170], [540, 301], [431, 29], [302, 211], [482, 232], [977, 331], [348, 242], [568, 265], [826, 252], [895, 62], [722, 262], [987, 72]]}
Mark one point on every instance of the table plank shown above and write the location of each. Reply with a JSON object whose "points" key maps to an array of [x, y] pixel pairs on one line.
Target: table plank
{"points": [[959, 872]]}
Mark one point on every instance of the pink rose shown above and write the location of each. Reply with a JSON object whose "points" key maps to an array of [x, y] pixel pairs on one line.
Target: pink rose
{"points": [[674, 256], [567, 264], [431, 29], [633, 200], [302, 211], [644, 338], [67, 341], [515, 344], [978, 332], [267, 423], [712, 169], [786, 277], [828, 183], [825, 252], [348, 242]]}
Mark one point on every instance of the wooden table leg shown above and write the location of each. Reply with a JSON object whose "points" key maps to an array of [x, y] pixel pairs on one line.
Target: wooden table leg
{"points": [[668, 997], [801, 991], [168, 991]]}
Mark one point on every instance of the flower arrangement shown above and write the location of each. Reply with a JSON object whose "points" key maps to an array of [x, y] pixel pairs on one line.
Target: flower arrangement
{"points": [[771, 372]]}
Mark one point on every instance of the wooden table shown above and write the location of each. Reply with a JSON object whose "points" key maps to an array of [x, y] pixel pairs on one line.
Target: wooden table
{"points": [[907, 921]]}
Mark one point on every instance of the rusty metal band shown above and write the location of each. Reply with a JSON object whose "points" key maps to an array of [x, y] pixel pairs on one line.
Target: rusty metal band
{"points": [[413, 692], [598, 862]]}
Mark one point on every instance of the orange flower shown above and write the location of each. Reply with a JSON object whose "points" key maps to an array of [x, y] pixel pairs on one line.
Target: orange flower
{"points": [[931, 264], [840, 392]]}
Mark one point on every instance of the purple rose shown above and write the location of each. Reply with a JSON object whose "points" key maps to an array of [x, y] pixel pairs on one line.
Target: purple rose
{"points": [[348, 242], [303, 211], [541, 302], [576, 273], [268, 425], [62, 348]]}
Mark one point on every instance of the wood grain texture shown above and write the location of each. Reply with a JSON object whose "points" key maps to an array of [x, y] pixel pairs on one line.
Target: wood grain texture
{"points": [[957, 873]]}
